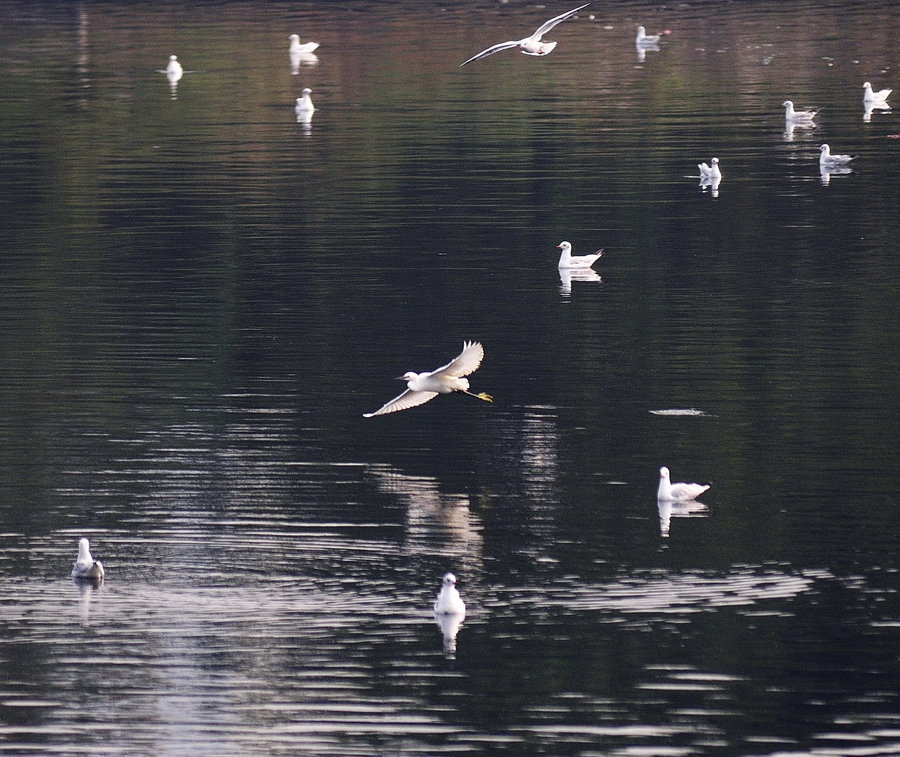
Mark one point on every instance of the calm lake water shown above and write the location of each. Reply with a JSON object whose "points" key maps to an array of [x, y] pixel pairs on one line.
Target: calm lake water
{"points": [[202, 295]]}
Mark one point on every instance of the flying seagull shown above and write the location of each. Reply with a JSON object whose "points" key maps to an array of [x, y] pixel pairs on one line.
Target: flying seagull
{"points": [[530, 45]]}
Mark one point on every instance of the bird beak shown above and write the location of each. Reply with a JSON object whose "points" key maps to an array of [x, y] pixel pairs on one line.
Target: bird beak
{"points": [[398, 378], [559, 247]]}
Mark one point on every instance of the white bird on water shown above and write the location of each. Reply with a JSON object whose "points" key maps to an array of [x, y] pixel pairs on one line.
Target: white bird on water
{"points": [[827, 160], [710, 172], [86, 566], [679, 492], [444, 380], [174, 70], [448, 601], [568, 260], [305, 103], [645, 39], [874, 97], [298, 48], [797, 116], [529, 45]]}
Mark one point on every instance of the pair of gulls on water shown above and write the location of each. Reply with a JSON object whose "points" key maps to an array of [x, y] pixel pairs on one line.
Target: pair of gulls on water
{"points": [[86, 566], [422, 387]]}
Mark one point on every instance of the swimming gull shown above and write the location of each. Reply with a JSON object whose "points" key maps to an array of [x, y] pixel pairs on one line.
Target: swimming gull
{"points": [[797, 115], [448, 601], [827, 160], [529, 45], [306, 47], [305, 103], [677, 492], [444, 380], [874, 97], [710, 172], [568, 260], [86, 566], [645, 39]]}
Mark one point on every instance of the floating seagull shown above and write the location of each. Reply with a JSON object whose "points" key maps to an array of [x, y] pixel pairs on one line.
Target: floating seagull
{"points": [[797, 115], [448, 601], [874, 97], [827, 160], [530, 45], [645, 39], [174, 70], [444, 380], [305, 103], [86, 566], [567, 260], [710, 172], [297, 48], [677, 492]]}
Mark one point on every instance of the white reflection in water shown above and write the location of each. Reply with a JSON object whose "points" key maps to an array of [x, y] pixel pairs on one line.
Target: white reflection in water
{"points": [[86, 589], [790, 126], [449, 625], [710, 183], [437, 523], [872, 106], [568, 275], [825, 173], [669, 509], [642, 49], [302, 59]]}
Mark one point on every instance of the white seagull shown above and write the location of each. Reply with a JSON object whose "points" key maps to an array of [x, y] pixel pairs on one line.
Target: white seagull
{"points": [[448, 601], [530, 45], [827, 160], [669, 492], [297, 48], [567, 260], [174, 71], [797, 115], [444, 380], [645, 39], [86, 566], [710, 172], [305, 103], [875, 97]]}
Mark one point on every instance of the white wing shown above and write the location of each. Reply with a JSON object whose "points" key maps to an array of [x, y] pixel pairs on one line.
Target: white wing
{"points": [[548, 25], [491, 50], [465, 363], [409, 398]]}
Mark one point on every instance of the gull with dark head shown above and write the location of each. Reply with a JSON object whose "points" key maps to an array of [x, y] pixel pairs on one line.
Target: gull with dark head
{"points": [[530, 45], [447, 379], [86, 566]]}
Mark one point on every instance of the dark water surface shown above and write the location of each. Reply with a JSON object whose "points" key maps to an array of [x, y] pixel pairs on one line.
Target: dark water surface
{"points": [[201, 296]]}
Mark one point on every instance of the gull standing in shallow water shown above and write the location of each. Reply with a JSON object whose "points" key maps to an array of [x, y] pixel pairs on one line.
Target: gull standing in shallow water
{"points": [[448, 601], [444, 380], [86, 566], [668, 491], [827, 160], [529, 45], [568, 260]]}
